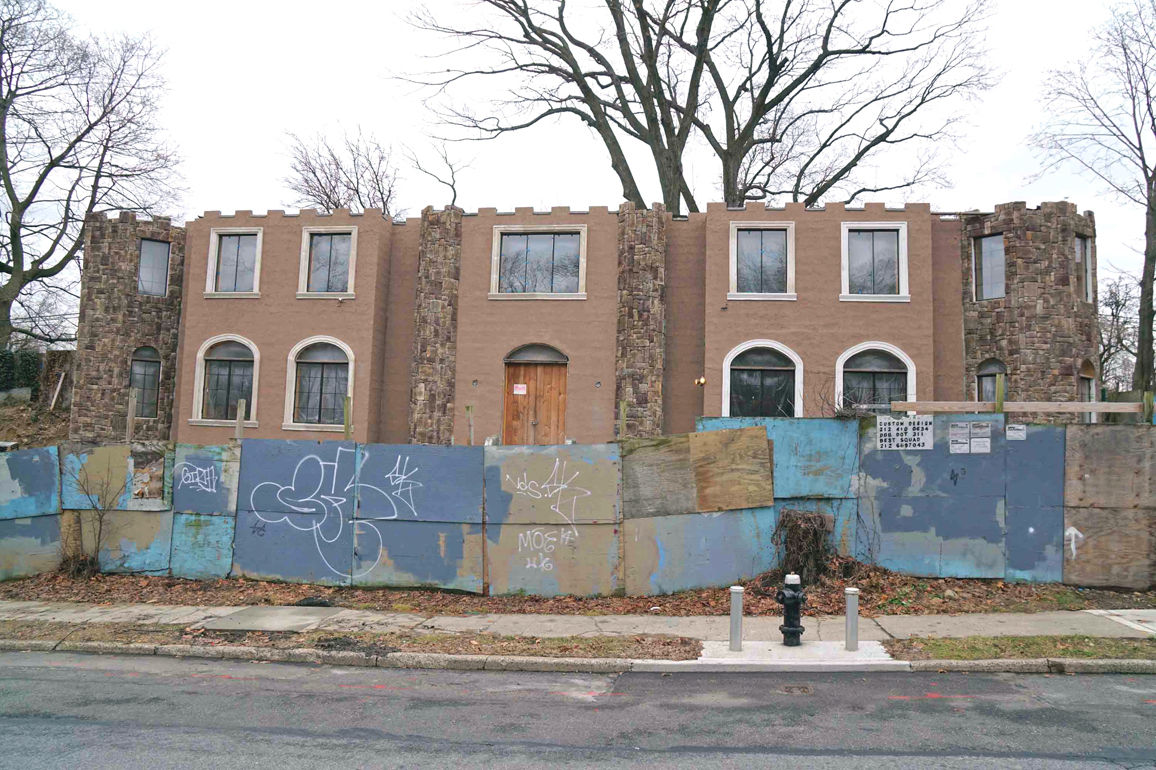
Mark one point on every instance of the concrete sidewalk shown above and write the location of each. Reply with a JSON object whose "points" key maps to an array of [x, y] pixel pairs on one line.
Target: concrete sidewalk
{"points": [[1102, 623]]}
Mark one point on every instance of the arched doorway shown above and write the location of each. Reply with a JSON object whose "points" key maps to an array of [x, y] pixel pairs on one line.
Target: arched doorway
{"points": [[534, 408]]}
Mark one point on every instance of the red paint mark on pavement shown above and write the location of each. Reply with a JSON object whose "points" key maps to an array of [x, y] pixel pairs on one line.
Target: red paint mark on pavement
{"points": [[372, 687], [1153, 702], [926, 696]]}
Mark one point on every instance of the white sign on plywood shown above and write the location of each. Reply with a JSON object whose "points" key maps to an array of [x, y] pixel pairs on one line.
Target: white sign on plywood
{"points": [[906, 433]]}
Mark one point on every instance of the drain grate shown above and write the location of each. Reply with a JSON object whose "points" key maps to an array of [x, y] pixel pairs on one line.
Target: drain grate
{"points": [[797, 689]]}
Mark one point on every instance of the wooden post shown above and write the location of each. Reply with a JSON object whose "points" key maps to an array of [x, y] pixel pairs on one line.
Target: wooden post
{"points": [[130, 423], [1149, 415], [622, 418], [1000, 392], [56, 392], [239, 427], [470, 422], [348, 406]]}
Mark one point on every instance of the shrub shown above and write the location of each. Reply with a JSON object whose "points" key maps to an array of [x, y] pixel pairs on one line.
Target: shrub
{"points": [[27, 366], [7, 370]]}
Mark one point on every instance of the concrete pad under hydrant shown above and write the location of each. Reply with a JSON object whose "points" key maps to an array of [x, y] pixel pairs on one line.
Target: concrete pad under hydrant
{"points": [[272, 619], [775, 656]]}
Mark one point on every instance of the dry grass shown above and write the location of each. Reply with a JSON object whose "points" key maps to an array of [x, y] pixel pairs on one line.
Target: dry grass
{"points": [[994, 647]]}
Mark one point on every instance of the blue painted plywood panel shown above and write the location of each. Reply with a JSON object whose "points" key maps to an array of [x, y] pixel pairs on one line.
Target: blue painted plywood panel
{"points": [[294, 547], [664, 554], [202, 545], [29, 546], [1035, 499], [814, 457], [132, 541], [305, 477], [412, 482], [205, 479], [403, 553], [29, 483]]}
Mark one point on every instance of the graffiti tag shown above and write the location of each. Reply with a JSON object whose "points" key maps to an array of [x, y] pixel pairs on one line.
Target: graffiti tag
{"points": [[199, 479]]}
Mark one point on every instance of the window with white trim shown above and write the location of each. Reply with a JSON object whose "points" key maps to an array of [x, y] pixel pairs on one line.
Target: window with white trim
{"points": [[322, 383], [872, 379], [762, 384], [538, 262], [762, 260], [874, 262], [234, 262], [990, 266], [228, 378], [153, 268]]}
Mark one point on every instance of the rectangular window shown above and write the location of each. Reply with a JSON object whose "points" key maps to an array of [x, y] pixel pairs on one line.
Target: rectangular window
{"points": [[236, 262], [321, 392], [873, 262], [145, 379], [1087, 394], [539, 263], [761, 261], [985, 386], [329, 262], [226, 383], [989, 267], [153, 271], [1083, 269]]}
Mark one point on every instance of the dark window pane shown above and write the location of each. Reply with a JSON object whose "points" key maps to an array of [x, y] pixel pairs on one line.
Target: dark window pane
{"points": [[990, 267], [340, 245], [860, 266], [322, 351], [333, 392], [746, 393], [512, 270], [762, 358], [319, 252], [778, 393], [153, 272], [226, 383], [227, 263], [886, 271], [986, 387], [774, 261], [307, 402], [566, 263], [874, 391], [875, 360], [540, 263], [230, 350], [321, 392], [748, 253], [145, 379]]}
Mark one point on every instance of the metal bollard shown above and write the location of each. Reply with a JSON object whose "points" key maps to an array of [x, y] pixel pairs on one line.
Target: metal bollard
{"points": [[736, 618], [852, 631]]}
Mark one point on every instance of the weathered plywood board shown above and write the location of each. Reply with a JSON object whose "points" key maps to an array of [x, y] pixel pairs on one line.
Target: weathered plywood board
{"points": [[1114, 547], [1035, 498], [732, 470], [664, 554], [397, 552], [205, 479], [554, 560], [129, 541], [552, 485], [116, 477], [813, 457], [29, 483], [202, 545], [1110, 466], [697, 472], [294, 547], [304, 477], [29, 546], [412, 482]]}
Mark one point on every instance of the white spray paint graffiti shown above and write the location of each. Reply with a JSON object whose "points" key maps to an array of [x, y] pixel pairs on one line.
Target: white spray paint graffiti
{"points": [[538, 544], [559, 487], [1073, 536], [329, 489], [198, 478]]}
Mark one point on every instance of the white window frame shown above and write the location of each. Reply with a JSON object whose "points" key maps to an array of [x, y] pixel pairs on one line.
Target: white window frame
{"points": [[303, 273], [904, 294], [211, 272], [734, 293], [496, 261], [291, 383], [199, 382], [886, 347], [773, 345], [168, 266]]}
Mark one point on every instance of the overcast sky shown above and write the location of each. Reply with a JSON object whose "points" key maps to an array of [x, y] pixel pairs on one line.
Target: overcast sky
{"points": [[243, 73]]}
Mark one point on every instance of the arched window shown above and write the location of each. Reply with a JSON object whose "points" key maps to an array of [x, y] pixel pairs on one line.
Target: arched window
{"points": [[228, 379], [322, 383], [872, 379], [537, 354], [145, 378], [985, 377], [762, 384]]}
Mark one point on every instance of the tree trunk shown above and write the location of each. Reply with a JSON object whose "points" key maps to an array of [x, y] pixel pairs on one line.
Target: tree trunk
{"points": [[5, 323], [733, 196], [1143, 378]]}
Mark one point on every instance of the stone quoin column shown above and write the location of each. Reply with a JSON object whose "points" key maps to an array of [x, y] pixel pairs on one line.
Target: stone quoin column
{"points": [[640, 350]]}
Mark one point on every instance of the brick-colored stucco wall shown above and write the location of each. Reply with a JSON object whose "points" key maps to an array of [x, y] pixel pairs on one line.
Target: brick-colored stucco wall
{"points": [[115, 320], [1041, 330]]}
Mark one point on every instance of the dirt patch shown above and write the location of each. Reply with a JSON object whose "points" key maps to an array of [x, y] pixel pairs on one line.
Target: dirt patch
{"points": [[995, 647], [883, 593], [33, 426], [652, 646]]}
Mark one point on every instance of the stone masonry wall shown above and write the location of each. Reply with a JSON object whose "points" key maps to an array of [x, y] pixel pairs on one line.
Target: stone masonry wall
{"points": [[1041, 330], [115, 320], [641, 337], [435, 334]]}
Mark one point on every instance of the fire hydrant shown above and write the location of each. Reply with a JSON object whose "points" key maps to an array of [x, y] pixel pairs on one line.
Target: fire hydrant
{"points": [[791, 596]]}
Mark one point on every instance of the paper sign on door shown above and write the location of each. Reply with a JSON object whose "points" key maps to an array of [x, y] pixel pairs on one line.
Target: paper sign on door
{"points": [[519, 388]]}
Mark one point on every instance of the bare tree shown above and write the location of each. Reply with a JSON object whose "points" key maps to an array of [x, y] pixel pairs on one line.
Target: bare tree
{"points": [[444, 173], [1118, 326], [792, 98], [102, 490], [356, 173], [78, 134], [1103, 121]]}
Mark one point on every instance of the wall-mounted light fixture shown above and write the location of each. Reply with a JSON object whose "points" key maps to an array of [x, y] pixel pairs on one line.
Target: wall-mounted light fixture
{"points": [[700, 381]]}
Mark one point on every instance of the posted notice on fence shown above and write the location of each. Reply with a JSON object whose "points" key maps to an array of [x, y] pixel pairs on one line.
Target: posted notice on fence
{"points": [[972, 438], [906, 433]]}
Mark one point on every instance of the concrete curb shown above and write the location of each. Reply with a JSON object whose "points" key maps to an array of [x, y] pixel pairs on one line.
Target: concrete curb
{"points": [[445, 661]]}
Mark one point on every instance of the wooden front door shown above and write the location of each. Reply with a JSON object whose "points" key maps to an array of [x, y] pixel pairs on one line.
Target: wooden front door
{"points": [[534, 411]]}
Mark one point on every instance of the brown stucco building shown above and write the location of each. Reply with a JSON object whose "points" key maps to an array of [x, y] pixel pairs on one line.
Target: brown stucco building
{"points": [[541, 327]]}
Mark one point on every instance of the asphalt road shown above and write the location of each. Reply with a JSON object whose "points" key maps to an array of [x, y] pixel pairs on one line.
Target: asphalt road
{"points": [[78, 711]]}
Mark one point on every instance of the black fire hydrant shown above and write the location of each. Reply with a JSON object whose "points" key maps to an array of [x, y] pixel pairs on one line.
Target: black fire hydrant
{"points": [[791, 596]]}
